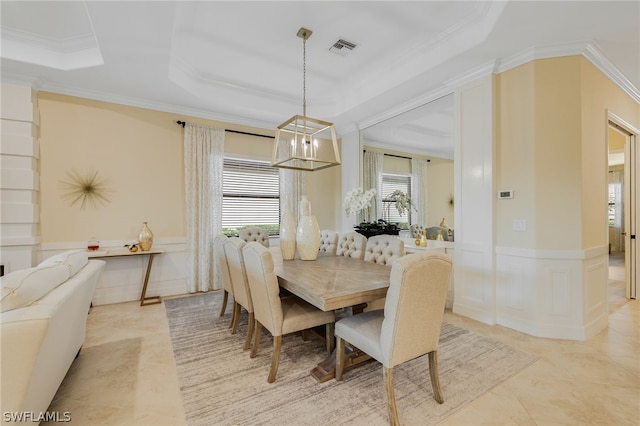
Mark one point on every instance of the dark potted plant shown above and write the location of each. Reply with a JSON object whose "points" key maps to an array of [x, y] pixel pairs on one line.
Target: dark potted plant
{"points": [[381, 227]]}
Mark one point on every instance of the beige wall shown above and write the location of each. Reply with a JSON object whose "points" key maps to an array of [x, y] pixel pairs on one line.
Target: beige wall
{"points": [[616, 140], [139, 154], [552, 152], [599, 95], [440, 192]]}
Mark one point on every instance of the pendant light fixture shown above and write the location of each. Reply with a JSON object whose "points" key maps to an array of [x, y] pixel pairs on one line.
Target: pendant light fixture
{"points": [[305, 143]]}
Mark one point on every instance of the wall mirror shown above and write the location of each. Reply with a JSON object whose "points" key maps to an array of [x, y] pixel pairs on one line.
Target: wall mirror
{"points": [[424, 132]]}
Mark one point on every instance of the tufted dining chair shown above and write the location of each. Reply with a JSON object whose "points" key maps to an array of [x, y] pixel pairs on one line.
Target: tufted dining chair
{"points": [[328, 241], [416, 230], [221, 264], [255, 234], [432, 233], [241, 295], [383, 249], [351, 244], [409, 325], [279, 316]]}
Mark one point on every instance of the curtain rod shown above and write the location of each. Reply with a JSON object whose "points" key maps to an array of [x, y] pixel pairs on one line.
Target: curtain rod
{"points": [[182, 123], [397, 156]]}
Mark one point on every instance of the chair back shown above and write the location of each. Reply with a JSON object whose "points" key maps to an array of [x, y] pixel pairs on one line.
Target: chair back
{"points": [[265, 290], [416, 230], [233, 249], [414, 307], [220, 263], [328, 241], [255, 234], [383, 249], [351, 244], [432, 233]]}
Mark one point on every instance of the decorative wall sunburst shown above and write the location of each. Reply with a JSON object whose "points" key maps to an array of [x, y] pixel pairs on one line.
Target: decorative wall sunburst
{"points": [[86, 189]]}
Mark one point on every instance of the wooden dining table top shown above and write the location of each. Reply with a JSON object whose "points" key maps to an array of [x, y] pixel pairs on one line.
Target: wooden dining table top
{"points": [[332, 282]]}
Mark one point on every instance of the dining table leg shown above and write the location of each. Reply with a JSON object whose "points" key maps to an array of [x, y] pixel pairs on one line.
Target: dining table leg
{"points": [[326, 369]]}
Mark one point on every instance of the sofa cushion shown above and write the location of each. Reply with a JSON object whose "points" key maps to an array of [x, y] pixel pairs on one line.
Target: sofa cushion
{"points": [[74, 259], [26, 286]]}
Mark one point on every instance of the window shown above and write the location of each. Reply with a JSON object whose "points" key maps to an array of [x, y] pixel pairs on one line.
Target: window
{"points": [[615, 204], [251, 196], [390, 183]]}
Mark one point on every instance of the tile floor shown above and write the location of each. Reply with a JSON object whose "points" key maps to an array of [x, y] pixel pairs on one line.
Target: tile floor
{"points": [[126, 373]]}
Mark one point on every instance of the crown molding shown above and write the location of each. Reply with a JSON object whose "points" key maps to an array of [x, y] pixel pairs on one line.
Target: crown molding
{"points": [[600, 61], [156, 106], [587, 49]]}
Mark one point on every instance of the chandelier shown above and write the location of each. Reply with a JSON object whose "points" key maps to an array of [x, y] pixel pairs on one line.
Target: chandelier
{"points": [[305, 143]]}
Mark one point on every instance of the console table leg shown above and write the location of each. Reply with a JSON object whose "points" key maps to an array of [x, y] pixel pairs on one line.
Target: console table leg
{"points": [[143, 298]]}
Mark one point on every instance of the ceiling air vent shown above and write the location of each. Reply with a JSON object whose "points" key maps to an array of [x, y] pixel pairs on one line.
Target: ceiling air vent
{"points": [[342, 47]]}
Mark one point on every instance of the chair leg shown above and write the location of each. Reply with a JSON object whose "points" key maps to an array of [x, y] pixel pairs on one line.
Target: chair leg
{"points": [[330, 338], [256, 338], [392, 409], [236, 318], [233, 313], [275, 358], [435, 377], [247, 340], [339, 358], [224, 303]]}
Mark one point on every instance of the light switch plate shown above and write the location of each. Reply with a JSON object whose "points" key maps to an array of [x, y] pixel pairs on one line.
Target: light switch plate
{"points": [[519, 225]]}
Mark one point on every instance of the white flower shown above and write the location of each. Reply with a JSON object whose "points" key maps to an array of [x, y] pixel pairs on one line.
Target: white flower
{"points": [[401, 200], [357, 199]]}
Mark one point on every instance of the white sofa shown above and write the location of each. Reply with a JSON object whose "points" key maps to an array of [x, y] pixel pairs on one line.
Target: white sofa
{"points": [[43, 321]]}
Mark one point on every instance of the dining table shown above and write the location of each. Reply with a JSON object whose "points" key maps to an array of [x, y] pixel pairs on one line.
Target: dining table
{"points": [[333, 283]]}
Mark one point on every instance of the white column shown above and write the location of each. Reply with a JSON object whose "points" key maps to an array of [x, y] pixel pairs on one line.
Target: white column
{"points": [[474, 288], [19, 184]]}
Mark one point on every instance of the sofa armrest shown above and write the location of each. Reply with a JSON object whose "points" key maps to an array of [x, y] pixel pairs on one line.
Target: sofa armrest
{"points": [[39, 342]]}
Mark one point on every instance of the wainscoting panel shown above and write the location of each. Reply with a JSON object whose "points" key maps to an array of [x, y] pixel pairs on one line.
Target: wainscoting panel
{"points": [[558, 292], [473, 285], [552, 293]]}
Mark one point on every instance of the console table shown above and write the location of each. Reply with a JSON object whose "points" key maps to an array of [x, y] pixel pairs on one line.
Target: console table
{"points": [[144, 300]]}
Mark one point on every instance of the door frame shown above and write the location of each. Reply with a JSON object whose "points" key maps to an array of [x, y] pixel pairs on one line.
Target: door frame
{"points": [[631, 201]]}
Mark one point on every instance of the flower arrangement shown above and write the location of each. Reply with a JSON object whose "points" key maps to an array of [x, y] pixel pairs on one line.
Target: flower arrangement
{"points": [[401, 200], [357, 199]]}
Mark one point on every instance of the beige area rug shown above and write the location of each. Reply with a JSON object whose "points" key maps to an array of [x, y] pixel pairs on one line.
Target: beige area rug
{"points": [[221, 385]]}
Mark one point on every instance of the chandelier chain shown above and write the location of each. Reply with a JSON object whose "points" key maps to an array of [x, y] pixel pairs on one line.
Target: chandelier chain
{"points": [[304, 76]]}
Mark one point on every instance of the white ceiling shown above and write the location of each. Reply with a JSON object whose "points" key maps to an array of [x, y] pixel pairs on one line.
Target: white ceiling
{"points": [[241, 62]]}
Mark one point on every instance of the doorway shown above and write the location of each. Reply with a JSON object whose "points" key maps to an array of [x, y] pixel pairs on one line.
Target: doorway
{"points": [[622, 211]]}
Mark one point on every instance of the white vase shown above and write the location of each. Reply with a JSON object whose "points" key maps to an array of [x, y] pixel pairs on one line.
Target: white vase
{"points": [[308, 238], [287, 232]]}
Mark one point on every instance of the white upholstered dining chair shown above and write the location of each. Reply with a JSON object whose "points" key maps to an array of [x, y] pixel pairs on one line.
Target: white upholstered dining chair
{"points": [[254, 234], [382, 249], [241, 294], [409, 325], [222, 266], [278, 316], [351, 244], [328, 241]]}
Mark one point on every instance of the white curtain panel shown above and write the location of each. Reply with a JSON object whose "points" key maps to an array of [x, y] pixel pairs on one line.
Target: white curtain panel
{"points": [[203, 163], [419, 190], [293, 183], [372, 178]]}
